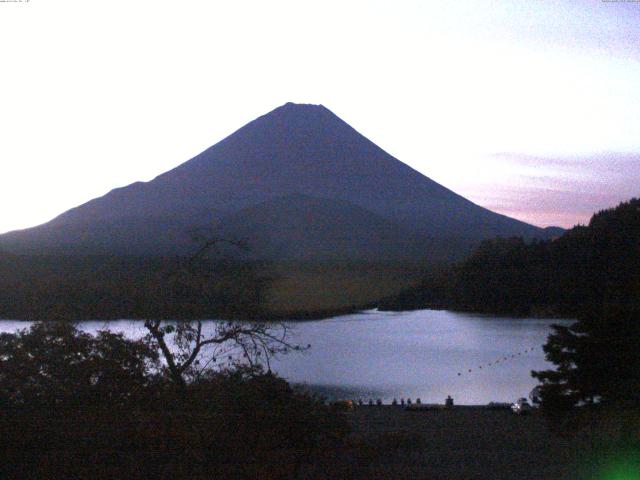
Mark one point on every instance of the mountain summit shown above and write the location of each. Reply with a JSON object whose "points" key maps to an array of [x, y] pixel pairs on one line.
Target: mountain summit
{"points": [[298, 179]]}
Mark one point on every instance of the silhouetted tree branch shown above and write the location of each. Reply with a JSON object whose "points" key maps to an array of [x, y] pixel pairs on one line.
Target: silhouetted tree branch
{"points": [[253, 343]]}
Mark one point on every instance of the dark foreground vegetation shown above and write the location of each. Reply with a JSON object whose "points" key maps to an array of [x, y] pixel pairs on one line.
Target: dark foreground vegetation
{"points": [[102, 407], [81, 406], [560, 277]]}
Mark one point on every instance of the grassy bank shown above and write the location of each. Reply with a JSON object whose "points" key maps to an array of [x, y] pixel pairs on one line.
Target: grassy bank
{"points": [[316, 290]]}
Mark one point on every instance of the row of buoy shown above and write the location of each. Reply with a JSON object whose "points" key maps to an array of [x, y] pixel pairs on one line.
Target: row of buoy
{"points": [[502, 359]]}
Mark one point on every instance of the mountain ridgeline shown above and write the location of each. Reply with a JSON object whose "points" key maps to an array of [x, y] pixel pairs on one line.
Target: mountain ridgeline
{"points": [[296, 183]]}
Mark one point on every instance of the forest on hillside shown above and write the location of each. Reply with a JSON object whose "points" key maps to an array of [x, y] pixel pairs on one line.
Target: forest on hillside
{"points": [[558, 277], [50, 287], [82, 287]]}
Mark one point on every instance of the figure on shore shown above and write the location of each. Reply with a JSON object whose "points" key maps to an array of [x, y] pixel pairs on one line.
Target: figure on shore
{"points": [[402, 401], [394, 402], [448, 402]]}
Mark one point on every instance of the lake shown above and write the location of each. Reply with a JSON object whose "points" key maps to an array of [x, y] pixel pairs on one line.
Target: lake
{"points": [[425, 353]]}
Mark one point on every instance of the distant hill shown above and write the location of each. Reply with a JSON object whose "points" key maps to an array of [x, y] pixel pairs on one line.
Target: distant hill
{"points": [[299, 183]]}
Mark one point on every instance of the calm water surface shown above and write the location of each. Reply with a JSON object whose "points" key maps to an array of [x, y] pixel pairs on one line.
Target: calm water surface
{"points": [[424, 353]]}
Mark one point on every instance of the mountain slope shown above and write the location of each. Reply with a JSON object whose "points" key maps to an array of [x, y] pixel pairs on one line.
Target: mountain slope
{"points": [[302, 228], [293, 150]]}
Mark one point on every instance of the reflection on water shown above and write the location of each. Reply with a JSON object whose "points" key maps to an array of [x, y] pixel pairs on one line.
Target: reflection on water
{"points": [[425, 353]]}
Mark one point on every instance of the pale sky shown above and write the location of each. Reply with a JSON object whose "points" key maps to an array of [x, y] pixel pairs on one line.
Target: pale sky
{"points": [[529, 107]]}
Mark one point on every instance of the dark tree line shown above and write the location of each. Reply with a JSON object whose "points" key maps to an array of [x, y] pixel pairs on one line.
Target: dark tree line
{"points": [[100, 287], [597, 358], [560, 277]]}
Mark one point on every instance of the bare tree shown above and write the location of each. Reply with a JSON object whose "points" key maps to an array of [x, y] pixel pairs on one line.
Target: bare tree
{"points": [[189, 349]]}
